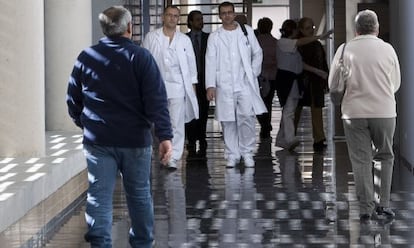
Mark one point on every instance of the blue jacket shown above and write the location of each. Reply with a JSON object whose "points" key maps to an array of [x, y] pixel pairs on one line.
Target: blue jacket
{"points": [[116, 94]]}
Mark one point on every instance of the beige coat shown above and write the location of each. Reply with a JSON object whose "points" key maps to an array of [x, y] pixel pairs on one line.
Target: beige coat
{"points": [[374, 78]]}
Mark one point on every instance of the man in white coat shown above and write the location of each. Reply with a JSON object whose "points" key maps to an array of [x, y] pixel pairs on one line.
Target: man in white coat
{"points": [[233, 62], [174, 54]]}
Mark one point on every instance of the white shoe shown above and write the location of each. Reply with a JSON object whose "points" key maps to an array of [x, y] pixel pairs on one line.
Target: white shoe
{"points": [[248, 161], [231, 162]]}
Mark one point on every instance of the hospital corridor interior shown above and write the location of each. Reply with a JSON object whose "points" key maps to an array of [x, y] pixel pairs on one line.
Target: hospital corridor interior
{"points": [[290, 198]]}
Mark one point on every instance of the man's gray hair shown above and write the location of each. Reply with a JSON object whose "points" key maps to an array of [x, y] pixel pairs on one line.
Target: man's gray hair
{"points": [[366, 22], [114, 20]]}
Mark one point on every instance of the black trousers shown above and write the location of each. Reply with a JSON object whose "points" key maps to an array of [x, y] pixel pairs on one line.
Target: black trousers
{"points": [[265, 120], [196, 129]]}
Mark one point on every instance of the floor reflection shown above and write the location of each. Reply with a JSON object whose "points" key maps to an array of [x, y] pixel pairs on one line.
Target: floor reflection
{"points": [[297, 198]]}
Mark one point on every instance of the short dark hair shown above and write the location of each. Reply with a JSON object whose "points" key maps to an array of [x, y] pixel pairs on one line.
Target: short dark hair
{"points": [[264, 25], [190, 17], [288, 28], [225, 4]]}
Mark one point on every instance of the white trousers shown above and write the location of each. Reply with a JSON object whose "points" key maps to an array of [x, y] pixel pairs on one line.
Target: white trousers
{"points": [[176, 107], [286, 133], [240, 135]]}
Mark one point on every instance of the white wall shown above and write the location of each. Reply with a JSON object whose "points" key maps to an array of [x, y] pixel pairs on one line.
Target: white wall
{"points": [[68, 30], [22, 122]]}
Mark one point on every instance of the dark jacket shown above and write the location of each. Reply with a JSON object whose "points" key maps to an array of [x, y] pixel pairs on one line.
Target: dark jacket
{"points": [[315, 87], [201, 86], [116, 93]]}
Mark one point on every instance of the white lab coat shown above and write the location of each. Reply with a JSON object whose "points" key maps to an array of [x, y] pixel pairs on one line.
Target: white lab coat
{"points": [[218, 71], [187, 63]]}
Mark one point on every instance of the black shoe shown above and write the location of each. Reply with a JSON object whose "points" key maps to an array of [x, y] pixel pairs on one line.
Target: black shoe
{"points": [[319, 146], [201, 154], [385, 212], [364, 218]]}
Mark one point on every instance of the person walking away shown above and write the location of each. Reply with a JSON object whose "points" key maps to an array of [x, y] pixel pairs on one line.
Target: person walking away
{"points": [[315, 86], [369, 112], [196, 129], [289, 84], [233, 62], [116, 95], [177, 64], [268, 75]]}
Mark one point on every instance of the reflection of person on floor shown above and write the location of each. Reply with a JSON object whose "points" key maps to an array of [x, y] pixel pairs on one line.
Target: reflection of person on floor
{"points": [[372, 236], [177, 64], [239, 222], [233, 62], [317, 171], [289, 168], [176, 207], [198, 190], [196, 129], [288, 80], [116, 94], [369, 111]]}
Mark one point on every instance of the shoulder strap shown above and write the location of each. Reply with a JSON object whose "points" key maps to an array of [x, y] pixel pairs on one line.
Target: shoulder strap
{"points": [[342, 54], [245, 32], [243, 29]]}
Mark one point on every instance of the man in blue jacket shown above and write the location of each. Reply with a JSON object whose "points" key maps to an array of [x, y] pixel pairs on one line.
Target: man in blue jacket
{"points": [[116, 95]]}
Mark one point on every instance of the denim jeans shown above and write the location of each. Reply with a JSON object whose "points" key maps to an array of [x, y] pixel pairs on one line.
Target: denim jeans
{"points": [[104, 163]]}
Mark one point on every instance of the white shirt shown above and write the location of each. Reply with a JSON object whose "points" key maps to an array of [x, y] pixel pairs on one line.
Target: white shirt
{"points": [[239, 79], [288, 56], [170, 69]]}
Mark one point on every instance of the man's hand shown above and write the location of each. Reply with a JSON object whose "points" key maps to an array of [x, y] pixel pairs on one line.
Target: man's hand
{"points": [[165, 151], [211, 93]]}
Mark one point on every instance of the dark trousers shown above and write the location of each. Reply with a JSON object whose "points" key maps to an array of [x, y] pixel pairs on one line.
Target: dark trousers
{"points": [[196, 129], [265, 120]]}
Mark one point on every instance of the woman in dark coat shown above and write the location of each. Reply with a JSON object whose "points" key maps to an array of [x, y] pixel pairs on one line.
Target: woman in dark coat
{"points": [[313, 54]]}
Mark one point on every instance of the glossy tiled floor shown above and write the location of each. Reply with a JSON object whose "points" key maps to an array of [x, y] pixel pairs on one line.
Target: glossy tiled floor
{"points": [[290, 199]]}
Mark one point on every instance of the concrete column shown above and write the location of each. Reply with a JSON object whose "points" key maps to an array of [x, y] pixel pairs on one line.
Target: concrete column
{"points": [[68, 30], [295, 10], [22, 114], [403, 18]]}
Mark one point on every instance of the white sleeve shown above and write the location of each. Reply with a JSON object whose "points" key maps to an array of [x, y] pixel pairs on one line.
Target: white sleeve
{"points": [[287, 45], [211, 62]]}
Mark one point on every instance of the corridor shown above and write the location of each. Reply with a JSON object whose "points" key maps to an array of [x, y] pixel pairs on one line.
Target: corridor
{"points": [[289, 199]]}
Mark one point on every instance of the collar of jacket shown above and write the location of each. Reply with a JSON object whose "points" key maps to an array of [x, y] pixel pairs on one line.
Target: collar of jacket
{"points": [[115, 40]]}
